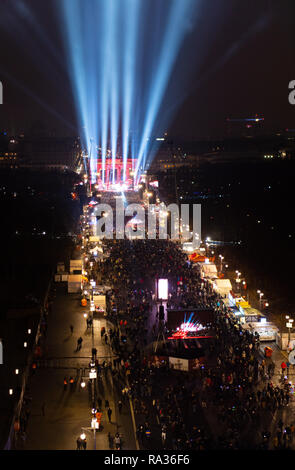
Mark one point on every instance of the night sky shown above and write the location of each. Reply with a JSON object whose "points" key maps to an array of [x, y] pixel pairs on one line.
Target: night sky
{"points": [[237, 60]]}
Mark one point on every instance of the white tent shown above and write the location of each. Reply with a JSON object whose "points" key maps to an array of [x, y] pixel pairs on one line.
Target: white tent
{"points": [[222, 286], [209, 270]]}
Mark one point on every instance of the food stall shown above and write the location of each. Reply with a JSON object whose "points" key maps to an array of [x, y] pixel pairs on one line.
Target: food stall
{"points": [[254, 321], [267, 331], [222, 286], [208, 270]]}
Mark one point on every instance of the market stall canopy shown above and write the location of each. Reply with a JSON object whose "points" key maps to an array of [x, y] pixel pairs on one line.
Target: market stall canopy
{"points": [[242, 303], [197, 258], [209, 270], [222, 286]]}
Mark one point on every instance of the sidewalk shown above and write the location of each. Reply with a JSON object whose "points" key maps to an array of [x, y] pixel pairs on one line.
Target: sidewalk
{"points": [[286, 413], [68, 412], [278, 356]]}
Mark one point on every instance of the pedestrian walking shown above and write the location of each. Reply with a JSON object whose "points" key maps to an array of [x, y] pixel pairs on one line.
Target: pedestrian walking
{"points": [[117, 441], [99, 403], [120, 405], [111, 440], [283, 367], [84, 444], [110, 414], [34, 367], [79, 443], [94, 353], [79, 343]]}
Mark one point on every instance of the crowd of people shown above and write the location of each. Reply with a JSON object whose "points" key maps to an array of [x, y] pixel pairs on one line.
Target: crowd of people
{"points": [[228, 401], [159, 401]]}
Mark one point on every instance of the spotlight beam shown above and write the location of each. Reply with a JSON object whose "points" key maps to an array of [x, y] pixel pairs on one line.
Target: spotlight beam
{"points": [[131, 27], [121, 55], [175, 32]]}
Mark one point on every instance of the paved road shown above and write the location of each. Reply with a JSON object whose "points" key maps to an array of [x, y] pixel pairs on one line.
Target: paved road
{"points": [[287, 413], [68, 412]]}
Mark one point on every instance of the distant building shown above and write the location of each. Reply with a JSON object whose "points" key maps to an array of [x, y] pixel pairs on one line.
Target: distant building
{"points": [[51, 153], [9, 152], [111, 174], [40, 153]]}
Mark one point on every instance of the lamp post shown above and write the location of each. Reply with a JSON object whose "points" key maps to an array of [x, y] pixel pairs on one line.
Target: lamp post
{"points": [[221, 259], [208, 244], [289, 325], [238, 280], [261, 294]]}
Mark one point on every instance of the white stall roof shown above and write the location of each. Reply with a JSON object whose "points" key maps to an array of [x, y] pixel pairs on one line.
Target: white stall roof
{"points": [[223, 284], [209, 270]]}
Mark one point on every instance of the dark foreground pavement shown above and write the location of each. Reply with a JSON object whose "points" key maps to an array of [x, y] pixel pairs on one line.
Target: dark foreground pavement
{"points": [[59, 416]]}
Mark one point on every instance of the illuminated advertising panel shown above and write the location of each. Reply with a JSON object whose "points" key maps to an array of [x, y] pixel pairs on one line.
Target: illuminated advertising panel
{"points": [[163, 289]]}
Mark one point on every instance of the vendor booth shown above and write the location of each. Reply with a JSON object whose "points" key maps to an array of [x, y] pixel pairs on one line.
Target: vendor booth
{"points": [[222, 286], [266, 331], [209, 271]]}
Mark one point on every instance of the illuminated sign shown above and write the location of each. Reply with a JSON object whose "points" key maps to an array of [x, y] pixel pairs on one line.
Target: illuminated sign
{"points": [[92, 374], [163, 289]]}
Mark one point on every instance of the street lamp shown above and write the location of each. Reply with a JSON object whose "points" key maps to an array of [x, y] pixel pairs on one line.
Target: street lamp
{"points": [[221, 259], [289, 325], [261, 294], [238, 280]]}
